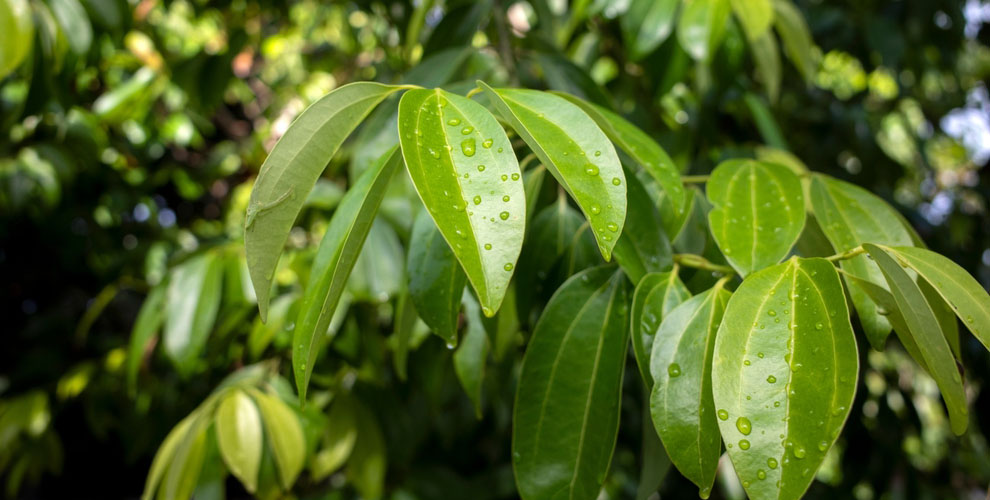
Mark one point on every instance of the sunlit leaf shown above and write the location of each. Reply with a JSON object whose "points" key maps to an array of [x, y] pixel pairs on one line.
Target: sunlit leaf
{"points": [[766, 58], [784, 375], [576, 152], [75, 24], [701, 26], [436, 280], [18, 28], [755, 16], [463, 167], [186, 463], [796, 36], [656, 295], [165, 455], [239, 436], [567, 401], [338, 439]]}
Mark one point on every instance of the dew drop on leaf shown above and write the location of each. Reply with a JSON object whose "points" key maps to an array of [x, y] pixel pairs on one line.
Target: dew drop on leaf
{"points": [[504, 215], [591, 169], [467, 147], [453, 122], [467, 130], [744, 426], [799, 452], [507, 266], [743, 444], [771, 379], [723, 415], [515, 177], [505, 198], [488, 246], [772, 463], [487, 143], [761, 474], [674, 370], [477, 200], [595, 209], [481, 168], [616, 181]]}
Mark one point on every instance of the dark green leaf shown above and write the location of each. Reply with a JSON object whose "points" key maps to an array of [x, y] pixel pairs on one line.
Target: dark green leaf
{"points": [[338, 439], [656, 295], [148, 321], [643, 247], [794, 33], [471, 355], [436, 281], [366, 466]]}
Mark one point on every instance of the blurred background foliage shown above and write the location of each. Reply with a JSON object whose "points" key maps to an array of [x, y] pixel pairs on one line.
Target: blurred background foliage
{"points": [[132, 129]]}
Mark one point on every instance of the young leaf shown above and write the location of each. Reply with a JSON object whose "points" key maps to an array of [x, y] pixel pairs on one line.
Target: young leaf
{"points": [[165, 455], [186, 463], [758, 212], [924, 328], [567, 402], [755, 16], [784, 375], [338, 251], [239, 436], [436, 280], [796, 37], [291, 170], [766, 58], [681, 400], [639, 146], [656, 295], [470, 357], [193, 299], [961, 291], [285, 436], [701, 26], [643, 247], [148, 321], [576, 152], [463, 167], [647, 24], [849, 216]]}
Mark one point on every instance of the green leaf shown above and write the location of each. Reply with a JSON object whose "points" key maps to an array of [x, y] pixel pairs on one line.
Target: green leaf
{"points": [[794, 33], [149, 320], [765, 123], [165, 455], [766, 58], [366, 466], [186, 463], [262, 334], [338, 439], [926, 331], [75, 24], [405, 322], [285, 436], [463, 167], [758, 212], [239, 436], [655, 462], [17, 26], [292, 169], [701, 27], [755, 16], [957, 288], [338, 251], [656, 295], [576, 152], [883, 298], [567, 402], [436, 280], [639, 146], [643, 247], [192, 302], [850, 216], [784, 375], [471, 355], [563, 75], [647, 24], [533, 186], [681, 400]]}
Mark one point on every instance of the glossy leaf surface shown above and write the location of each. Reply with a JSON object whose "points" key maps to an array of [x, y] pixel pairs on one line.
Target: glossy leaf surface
{"points": [[784, 375], [464, 169], [681, 401], [567, 401], [758, 212], [240, 438], [292, 169], [643, 247], [575, 151], [655, 296], [436, 280], [334, 261]]}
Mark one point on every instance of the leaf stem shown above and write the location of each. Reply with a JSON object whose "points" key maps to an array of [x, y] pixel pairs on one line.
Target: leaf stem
{"points": [[699, 262], [848, 254], [473, 92], [694, 179]]}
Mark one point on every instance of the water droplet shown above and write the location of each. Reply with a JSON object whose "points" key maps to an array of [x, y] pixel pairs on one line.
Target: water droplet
{"points": [[595, 209], [453, 122], [434, 153], [499, 150], [467, 147], [772, 463], [772, 312], [505, 198], [481, 168], [598, 153], [451, 344], [674, 370], [776, 404], [515, 177], [744, 426], [799, 452], [508, 266], [761, 474], [487, 143], [591, 169], [504, 215], [704, 492], [723, 414], [819, 326], [488, 246], [822, 446], [743, 444], [505, 177], [612, 227], [616, 181], [460, 233], [467, 130], [772, 379], [477, 200], [746, 362]]}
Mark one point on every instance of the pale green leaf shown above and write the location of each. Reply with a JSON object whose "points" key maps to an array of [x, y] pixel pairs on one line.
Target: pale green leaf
{"points": [[576, 152], [334, 261], [796, 36], [186, 463], [239, 436], [72, 17], [436, 280], [17, 26], [165, 455], [656, 295], [755, 16], [766, 58], [758, 212], [701, 26], [285, 436], [681, 400], [292, 169], [566, 414], [464, 169], [646, 24], [784, 375], [192, 303]]}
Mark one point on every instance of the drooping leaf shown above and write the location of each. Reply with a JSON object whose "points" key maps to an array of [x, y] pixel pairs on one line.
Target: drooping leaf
{"points": [[379, 268], [165, 455], [405, 321], [292, 169], [758, 212], [796, 36], [566, 414], [924, 327], [75, 24], [576, 152], [187, 462], [533, 185], [239, 436], [338, 439], [784, 375], [701, 26], [338, 251], [849, 216], [643, 247], [681, 401], [148, 321], [655, 461], [957, 288], [471, 356], [639, 146], [463, 167], [883, 299], [656, 295], [17, 27], [755, 16], [284, 434], [646, 24], [366, 465], [436, 280], [192, 302]]}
